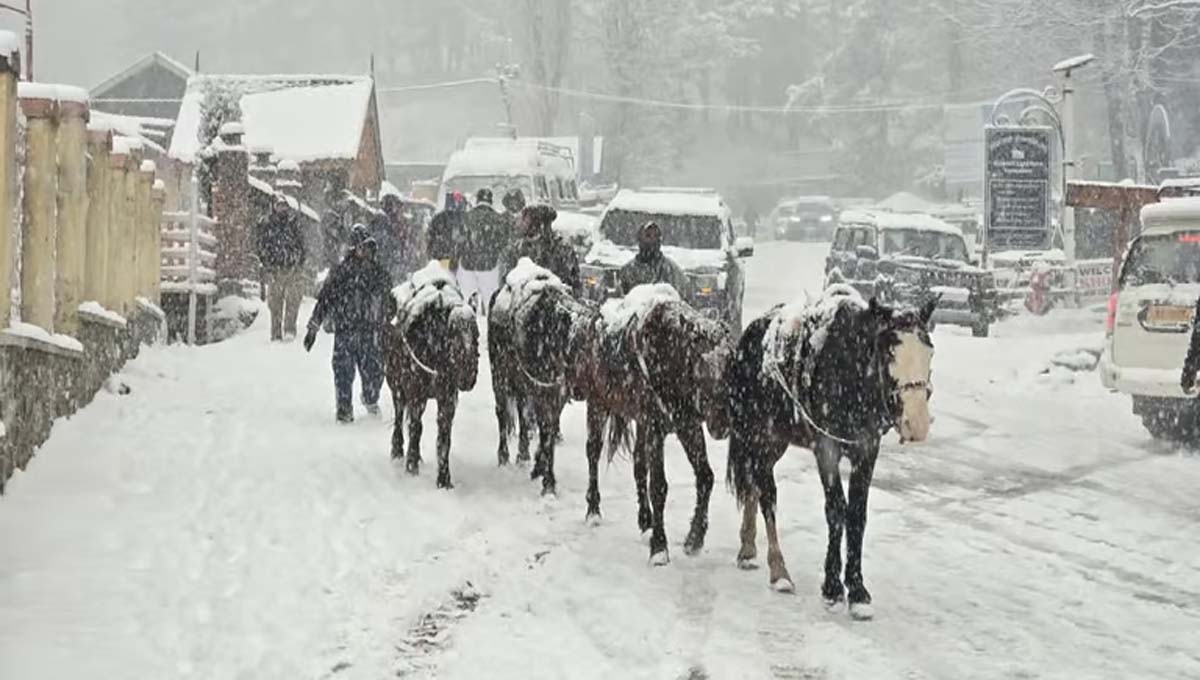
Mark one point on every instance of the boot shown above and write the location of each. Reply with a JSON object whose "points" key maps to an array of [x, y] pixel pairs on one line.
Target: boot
{"points": [[345, 414]]}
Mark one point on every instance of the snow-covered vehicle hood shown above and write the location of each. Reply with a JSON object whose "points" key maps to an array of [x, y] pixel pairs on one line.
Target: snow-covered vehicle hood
{"points": [[607, 254], [936, 264]]}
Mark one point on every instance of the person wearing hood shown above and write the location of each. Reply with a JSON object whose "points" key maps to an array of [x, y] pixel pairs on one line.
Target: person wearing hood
{"points": [[357, 296], [540, 243], [446, 231], [651, 265], [484, 239], [514, 203], [279, 244]]}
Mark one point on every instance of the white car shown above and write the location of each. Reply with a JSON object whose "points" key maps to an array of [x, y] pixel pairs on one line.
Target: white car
{"points": [[1150, 320]]}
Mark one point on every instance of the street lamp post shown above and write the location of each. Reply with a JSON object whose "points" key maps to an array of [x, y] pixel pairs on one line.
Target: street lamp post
{"points": [[28, 14], [1064, 68]]}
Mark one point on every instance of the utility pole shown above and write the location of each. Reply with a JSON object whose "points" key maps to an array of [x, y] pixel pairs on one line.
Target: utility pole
{"points": [[1064, 68]]}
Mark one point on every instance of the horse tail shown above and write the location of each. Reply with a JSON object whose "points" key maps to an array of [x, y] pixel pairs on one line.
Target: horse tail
{"points": [[620, 435], [745, 460]]}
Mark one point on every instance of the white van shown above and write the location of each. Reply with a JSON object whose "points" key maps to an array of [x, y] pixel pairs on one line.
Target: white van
{"points": [[544, 172], [1150, 319]]}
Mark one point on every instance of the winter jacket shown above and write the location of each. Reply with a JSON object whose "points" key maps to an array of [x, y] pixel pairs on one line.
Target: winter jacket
{"points": [[445, 233], [387, 242], [483, 239], [356, 296], [549, 251], [1191, 364], [279, 241], [335, 230], [656, 269]]}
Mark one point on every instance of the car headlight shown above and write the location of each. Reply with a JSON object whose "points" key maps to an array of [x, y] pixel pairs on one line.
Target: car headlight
{"points": [[826, 218], [708, 286], [594, 277]]}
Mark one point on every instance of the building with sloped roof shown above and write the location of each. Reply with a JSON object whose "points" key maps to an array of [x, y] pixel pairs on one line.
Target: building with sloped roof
{"points": [[151, 87]]}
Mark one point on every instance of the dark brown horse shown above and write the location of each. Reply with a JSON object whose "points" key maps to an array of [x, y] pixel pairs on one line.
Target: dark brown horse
{"points": [[432, 352], [654, 360], [832, 377]]}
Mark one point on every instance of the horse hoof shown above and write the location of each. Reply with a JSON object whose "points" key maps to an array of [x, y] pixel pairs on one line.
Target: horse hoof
{"points": [[747, 563], [692, 549], [503, 462], [660, 559], [445, 484], [412, 470], [783, 585], [549, 492], [593, 519], [862, 611]]}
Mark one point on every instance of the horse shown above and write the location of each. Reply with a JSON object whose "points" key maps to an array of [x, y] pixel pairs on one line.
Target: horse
{"points": [[535, 328], [832, 377], [432, 352], [658, 362]]}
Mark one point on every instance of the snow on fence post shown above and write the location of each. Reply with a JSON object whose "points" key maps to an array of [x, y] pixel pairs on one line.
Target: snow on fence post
{"points": [[193, 254], [9, 67], [158, 199], [231, 208], [118, 219], [38, 239], [71, 217], [144, 240], [99, 187]]}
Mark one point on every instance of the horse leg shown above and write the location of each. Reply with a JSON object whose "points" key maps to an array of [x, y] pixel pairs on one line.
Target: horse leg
{"points": [[503, 424], [523, 434], [856, 526], [659, 555], [596, 418], [691, 435], [639, 477], [829, 454], [780, 579], [397, 425], [446, 407], [748, 553], [547, 439], [416, 411]]}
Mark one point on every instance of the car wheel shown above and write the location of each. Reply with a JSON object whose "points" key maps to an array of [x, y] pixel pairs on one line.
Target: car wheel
{"points": [[981, 329]]}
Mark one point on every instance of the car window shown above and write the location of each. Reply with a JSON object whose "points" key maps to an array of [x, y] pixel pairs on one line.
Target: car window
{"points": [[698, 232], [841, 240], [924, 243], [1167, 258]]}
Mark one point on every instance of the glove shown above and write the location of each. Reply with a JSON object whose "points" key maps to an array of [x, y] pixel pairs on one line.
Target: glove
{"points": [[309, 338]]}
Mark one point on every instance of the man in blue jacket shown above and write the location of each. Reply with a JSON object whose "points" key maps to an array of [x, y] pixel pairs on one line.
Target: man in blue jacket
{"points": [[357, 297]]}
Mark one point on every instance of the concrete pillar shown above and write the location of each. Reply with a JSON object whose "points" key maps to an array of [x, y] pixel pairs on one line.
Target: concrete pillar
{"points": [[144, 236], [72, 214], [39, 235], [116, 254], [99, 189], [231, 208], [158, 200], [9, 67], [127, 253]]}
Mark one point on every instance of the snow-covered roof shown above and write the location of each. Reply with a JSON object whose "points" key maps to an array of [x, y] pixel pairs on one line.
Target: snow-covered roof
{"points": [[176, 67], [890, 220], [301, 118], [1171, 214], [266, 188], [54, 92], [131, 126], [669, 203]]}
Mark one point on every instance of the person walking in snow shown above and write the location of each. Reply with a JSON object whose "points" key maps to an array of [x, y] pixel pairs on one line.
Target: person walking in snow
{"points": [[1191, 364], [540, 243], [650, 265], [514, 203], [335, 224], [385, 230], [445, 231], [279, 244], [483, 243], [358, 297]]}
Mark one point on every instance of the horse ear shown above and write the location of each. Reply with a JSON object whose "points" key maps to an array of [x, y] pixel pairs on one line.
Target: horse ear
{"points": [[928, 309]]}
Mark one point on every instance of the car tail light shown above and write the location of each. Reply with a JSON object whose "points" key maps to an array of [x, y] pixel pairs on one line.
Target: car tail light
{"points": [[1110, 321]]}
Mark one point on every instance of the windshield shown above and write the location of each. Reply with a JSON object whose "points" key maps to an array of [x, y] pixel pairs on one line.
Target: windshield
{"points": [[921, 243], [469, 185], [1170, 258], [697, 232]]}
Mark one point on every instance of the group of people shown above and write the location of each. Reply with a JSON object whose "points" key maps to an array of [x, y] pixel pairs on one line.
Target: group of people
{"points": [[479, 244]]}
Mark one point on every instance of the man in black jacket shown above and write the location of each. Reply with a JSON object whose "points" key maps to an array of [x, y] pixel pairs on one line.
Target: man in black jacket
{"points": [[279, 244], [650, 265], [357, 296], [446, 231], [483, 243], [540, 243], [1191, 364]]}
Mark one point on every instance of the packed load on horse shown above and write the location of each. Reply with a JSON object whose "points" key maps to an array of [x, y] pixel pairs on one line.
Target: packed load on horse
{"points": [[832, 375], [432, 352]]}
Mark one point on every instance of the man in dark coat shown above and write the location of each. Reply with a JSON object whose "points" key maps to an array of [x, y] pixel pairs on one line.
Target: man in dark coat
{"points": [[650, 265], [279, 244], [357, 296], [385, 230], [540, 243], [1191, 364], [483, 243], [446, 229], [514, 203]]}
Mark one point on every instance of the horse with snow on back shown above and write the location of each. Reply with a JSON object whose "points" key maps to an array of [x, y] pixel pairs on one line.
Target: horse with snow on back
{"points": [[432, 352], [832, 376], [658, 362], [536, 328]]}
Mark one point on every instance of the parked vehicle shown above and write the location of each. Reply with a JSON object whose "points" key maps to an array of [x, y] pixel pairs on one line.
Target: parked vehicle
{"points": [[1150, 320], [907, 258], [544, 172], [698, 235], [807, 218]]}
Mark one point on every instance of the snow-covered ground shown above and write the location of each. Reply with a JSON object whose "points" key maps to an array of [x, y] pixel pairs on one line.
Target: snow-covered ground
{"points": [[216, 523]]}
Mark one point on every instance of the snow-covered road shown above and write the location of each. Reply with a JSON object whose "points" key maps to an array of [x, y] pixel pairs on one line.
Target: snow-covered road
{"points": [[215, 523]]}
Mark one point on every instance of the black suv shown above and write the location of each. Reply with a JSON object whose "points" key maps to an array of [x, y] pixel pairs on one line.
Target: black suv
{"points": [[697, 235]]}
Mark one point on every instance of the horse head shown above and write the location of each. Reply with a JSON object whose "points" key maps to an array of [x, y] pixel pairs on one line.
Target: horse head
{"points": [[906, 356]]}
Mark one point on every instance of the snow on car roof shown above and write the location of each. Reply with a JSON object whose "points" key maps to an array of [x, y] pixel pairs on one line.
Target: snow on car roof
{"points": [[805, 200], [1172, 213], [488, 160], [317, 121], [669, 203], [889, 220]]}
